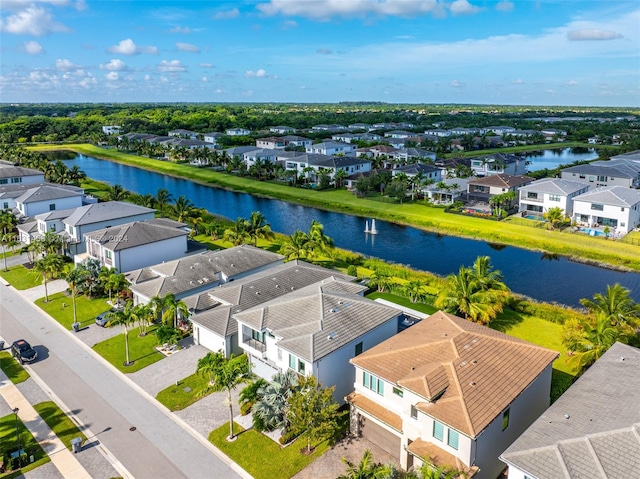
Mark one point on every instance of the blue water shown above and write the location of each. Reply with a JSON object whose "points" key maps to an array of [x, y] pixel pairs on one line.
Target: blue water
{"points": [[540, 276], [551, 159]]}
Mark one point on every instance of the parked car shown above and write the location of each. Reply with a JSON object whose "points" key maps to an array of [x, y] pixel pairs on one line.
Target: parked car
{"points": [[23, 352], [102, 320]]}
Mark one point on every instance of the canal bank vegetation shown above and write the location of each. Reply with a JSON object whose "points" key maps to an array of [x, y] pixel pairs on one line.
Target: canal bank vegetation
{"points": [[417, 213]]}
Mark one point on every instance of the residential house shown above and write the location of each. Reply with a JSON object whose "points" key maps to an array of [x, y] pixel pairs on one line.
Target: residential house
{"points": [[237, 132], [42, 198], [50, 221], [212, 137], [630, 155], [239, 151], [498, 130], [198, 272], [553, 134], [296, 141], [12, 175], [425, 172], [360, 126], [438, 133], [252, 156], [378, 150], [282, 130], [603, 174], [88, 218], [459, 131], [541, 195], [449, 392], [135, 245], [311, 164], [111, 129], [332, 148], [383, 126], [187, 134], [316, 330], [353, 137], [271, 143], [481, 190], [447, 190], [616, 207], [410, 154], [593, 429], [498, 163], [214, 324], [399, 134]]}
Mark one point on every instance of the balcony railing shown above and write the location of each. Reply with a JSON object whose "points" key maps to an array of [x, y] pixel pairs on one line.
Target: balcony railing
{"points": [[532, 199], [254, 343]]}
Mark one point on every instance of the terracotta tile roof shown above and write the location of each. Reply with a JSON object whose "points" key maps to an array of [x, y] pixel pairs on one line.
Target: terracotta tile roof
{"points": [[374, 409], [439, 457], [503, 180], [480, 370]]}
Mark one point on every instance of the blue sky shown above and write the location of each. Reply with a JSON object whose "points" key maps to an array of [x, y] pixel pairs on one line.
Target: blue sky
{"points": [[520, 52]]}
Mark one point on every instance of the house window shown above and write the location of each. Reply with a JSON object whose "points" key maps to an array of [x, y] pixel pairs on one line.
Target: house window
{"points": [[16, 180], [622, 209], [257, 335], [300, 366], [505, 419], [531, 194], [596, 206], [279, 354], [398, 392], [52, 227], [4, 181], [370, 381], [107, 254], [359, 348], [5, 205], [452, 439], [52, 207], [438, 430], [554, 198], [292, 362], [414, 412], [591, 179]]}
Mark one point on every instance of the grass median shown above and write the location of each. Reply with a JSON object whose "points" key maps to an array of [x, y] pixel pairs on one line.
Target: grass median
{"points": [[12, 368], [21, 278], [59, 422], [9, 442]]}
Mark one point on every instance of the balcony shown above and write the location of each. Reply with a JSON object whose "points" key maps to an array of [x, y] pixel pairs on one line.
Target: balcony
{"points": [[254, 344], [532, 199]]}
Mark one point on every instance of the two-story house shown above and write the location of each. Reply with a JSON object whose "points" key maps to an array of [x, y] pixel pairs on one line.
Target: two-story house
{"points": [[601, 174], [138, 244], [11, 175], [498, 163], [591, 431], [271, 143], [541, 195], [40, 199], [237, 132], [88, 218], [332, 148], [182, 133], [212, 137], [449, 392], [616, 207], [481, 190], [282, 129]]}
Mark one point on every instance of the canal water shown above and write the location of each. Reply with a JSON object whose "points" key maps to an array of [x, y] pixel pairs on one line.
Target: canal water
{"points": [[544, 277], [551, 159]]}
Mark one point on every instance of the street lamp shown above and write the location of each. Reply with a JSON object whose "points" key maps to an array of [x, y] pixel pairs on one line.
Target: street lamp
{"points": [[15, 411]]}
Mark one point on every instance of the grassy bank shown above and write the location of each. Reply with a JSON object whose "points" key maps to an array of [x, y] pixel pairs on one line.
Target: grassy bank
{"points": [[418, 214], [59, 422]]}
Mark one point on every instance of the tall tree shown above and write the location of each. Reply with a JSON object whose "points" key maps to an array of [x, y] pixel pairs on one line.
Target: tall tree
{"points": [[319, 240], [48, 266], [616, 305], [257, 227], [298, 246], [237, 234], [225, 374], [116, 193], [75, 278], [162, 199], [311, 410], [122, 317]]}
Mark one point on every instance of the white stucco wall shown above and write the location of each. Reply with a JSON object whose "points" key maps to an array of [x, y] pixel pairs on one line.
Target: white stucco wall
{"points": [[37, 207], [630, 216], [81, 230], [593, 179], [150, 254]]}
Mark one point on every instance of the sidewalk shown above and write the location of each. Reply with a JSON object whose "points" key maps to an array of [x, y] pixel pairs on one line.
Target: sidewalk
{"points": [[61, 457]]}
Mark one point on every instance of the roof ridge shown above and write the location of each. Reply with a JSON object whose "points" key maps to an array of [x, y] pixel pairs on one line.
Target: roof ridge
{"points": [[596, 459], [461, 397]]}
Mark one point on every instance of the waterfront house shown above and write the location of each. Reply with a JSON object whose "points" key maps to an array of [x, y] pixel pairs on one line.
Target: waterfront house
{"points": [[12, 175], [593, 429], [498, 163], [311, 165], [616, 207], [42, 198], [332, 148], [237, 132], [481, 190], [271, 143], [449, 392], [541, 195], [604, 174]]}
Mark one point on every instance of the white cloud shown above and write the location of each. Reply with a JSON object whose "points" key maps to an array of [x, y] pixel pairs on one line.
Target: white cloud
{"points": [[33, 20], [572, 83], [128, 47], [456, 84], [187, 47], [219, 90], [32, 47], [289, 24], [226, 14], [592, 34], [550, 91], [112, 76], [325, 9], [204, 79], [113, 65], [518, 81], [147, 78], [463, 7], [206, 65], [324, 51], [260, 73], [65, 65], [172, 66], [504, 6], [185, 30]]}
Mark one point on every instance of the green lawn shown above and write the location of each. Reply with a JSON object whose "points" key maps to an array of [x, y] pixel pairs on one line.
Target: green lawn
{"points": [[20, 277], [141, 350], [176, 398], [59, 422], [425, 308], [8, 440], [12, 368], [251, 448], [60, 307]]}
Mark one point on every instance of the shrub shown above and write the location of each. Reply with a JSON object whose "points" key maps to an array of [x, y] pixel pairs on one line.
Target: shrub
{"points": [[352, 270], [287, 437], [258, 423]]}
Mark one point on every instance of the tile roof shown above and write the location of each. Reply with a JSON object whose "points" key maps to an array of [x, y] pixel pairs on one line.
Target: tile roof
{"points": [[597, 170], [379, 412], [131, 235], [593, 430], [611, 195], [485, 369], [11, 171], [110, 210], [319, 319], [502, 180], [439, 457], [554, 186], [46, 192]]}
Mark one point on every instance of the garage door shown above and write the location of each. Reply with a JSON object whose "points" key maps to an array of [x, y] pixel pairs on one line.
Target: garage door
{"points": [[380, 436]]}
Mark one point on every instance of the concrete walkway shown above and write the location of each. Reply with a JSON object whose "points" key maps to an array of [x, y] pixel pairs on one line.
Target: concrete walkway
{"points": [[37, 292], [61, 457]]}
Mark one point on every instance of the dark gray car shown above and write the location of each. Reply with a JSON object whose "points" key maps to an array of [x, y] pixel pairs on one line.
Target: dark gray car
{"points": [[23, 352]]}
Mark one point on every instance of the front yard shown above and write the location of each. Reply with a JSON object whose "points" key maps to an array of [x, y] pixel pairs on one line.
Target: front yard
{"points": [[20, 277], [141, 350], [9, 443], [60, 307], [182, 395]]}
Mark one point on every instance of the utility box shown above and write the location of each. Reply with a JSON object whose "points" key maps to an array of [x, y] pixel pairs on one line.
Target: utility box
{"points": [[76, 444]]}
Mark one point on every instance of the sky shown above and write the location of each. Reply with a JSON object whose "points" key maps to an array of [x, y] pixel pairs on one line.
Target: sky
{"points": [[509, 52]]}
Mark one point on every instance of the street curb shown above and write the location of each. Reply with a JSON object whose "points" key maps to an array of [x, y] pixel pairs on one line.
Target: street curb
{"points": [[179, 421]]}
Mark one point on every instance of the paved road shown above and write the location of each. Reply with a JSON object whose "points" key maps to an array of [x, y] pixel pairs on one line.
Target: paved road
{"points": [[109, 404]]}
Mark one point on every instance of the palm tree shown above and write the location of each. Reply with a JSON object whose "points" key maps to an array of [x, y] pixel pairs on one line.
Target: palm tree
{"points": [[225, 375], [9, 240], [238, 233], [122, 317], [414, 290], [380, 280], [257, 227], [250, 394], [365, 469], [597, 336], [486, 277], [116, 193], [75, 278], [297, 247], [616, 305], [339, 177], [318, 239], [554, 216], [183, 208], [48, 266], [271, 405], [115, 282], [172, 309], [142, 315], [162, 199]]}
